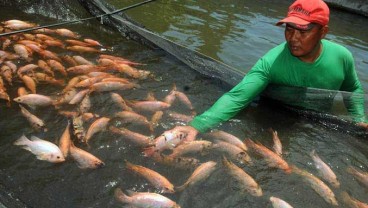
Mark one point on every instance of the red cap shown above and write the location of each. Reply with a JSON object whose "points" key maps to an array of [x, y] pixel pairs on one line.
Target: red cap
{"points": [[303, 12]]}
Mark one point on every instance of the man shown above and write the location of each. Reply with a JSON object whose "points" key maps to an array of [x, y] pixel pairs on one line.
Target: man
{"points": [[304, 60]]}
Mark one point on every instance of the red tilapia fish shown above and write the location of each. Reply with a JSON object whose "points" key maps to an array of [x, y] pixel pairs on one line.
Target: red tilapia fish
{"points": [[277, 146], [272, 159], [84, 159], [359, 175], [226, 137], [245, 181], [200, 174], [168, 140], [145, 199], [134, 137], [351, 201], [317, 185], [156, 179], [324, 170]]}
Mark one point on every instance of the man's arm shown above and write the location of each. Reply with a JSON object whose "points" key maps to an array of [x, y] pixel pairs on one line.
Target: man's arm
{"points": [[233, 101], [354, 100]]}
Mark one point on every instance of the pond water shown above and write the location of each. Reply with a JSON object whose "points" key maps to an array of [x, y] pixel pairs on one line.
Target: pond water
{"points": [[236, 33]]}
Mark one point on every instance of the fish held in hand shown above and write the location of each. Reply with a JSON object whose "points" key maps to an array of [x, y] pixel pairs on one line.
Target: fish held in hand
{"points": [[44, 150], [168, 140]]}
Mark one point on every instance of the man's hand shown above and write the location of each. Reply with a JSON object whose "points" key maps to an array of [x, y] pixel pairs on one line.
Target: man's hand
{"points": [[190, 131], [364, 125]]}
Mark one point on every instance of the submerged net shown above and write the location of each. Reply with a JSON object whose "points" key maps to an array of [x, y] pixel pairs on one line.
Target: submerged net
{"points": [[324, 106]]}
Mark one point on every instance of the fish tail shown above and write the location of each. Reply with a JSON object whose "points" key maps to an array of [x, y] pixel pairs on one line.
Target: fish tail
{"points": [[119, 195], [149, 151], [180, 188], [23, 140]]}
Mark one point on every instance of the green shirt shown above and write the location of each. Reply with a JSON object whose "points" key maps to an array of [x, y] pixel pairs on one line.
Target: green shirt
{"points": [[333, 70]]}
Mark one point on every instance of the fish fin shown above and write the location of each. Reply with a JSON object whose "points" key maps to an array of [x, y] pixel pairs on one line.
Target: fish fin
{"points": [[119, 195], [149, 151], [42, 156], [180, 188], [23, 140], [34, 138]]}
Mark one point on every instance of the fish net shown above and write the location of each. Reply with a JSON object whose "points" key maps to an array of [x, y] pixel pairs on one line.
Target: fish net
{"points": [[324, 106]]}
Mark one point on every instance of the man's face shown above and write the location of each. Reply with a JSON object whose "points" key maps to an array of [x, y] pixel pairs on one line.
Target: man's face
{"points": [[305, 44]]}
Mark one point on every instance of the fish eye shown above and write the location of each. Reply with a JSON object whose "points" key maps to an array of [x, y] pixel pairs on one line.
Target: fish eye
{"points": [[58, 157]]}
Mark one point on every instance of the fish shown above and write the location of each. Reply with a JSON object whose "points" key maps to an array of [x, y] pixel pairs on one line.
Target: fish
{"points": [[148, 106], [65, 141], [36, 123], [107, 86], [26, 69], [317, 185], [6, 72], [44, 150], [156, 179], [167, 140], [134, 137], [54, 43], [132, 117], [85, 105], [97, 126], [18, 24], [35, 100], [80, 60], [144, 199], [23, 51], [79, 97], [92, 42], [57, 66], [200, 174], [232, 151], [279, 203], [46, 54], [359, 175], [45, 67], [78, 128], [277, 146], [244, 180], [182, 163], [77, 42], [179, 117], [29, 83], [83, 49], [226, 137], [155, 119], [118, 100], [272, 159], [351, 201], [85, 69], [69, 60], [22, 91], [67, 33], [183, 98], [84, 159], [197, 146], [324, 170], [42, 77]]}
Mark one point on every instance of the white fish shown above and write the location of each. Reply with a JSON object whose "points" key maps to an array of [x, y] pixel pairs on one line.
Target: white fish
{"points": [[44, 150], [279, 203]]}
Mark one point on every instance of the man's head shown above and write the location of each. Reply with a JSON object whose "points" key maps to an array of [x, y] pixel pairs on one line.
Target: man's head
{"points": [[306, 24]]}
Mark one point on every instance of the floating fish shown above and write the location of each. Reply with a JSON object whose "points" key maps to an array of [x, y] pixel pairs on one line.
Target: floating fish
{"points": [[200, 174], [245, 181], [145, 199], [156, 179], [324, 170], [279, 203], [44, 150]]}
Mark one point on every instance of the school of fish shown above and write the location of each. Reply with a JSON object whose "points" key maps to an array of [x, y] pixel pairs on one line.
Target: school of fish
{"points": [[54, 57]]}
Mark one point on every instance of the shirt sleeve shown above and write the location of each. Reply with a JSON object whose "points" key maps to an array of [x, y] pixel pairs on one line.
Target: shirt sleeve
{"points": [[354, 101], [236, 99]]}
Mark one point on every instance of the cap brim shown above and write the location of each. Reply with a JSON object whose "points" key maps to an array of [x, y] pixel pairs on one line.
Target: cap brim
{"points": [[293, 19]]}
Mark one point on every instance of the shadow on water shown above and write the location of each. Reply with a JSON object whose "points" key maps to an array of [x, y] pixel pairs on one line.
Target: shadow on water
{"points": [[65, 185]]}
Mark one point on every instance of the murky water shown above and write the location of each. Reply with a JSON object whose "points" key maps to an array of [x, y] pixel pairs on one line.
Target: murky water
{"points": [[236, 33]]}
